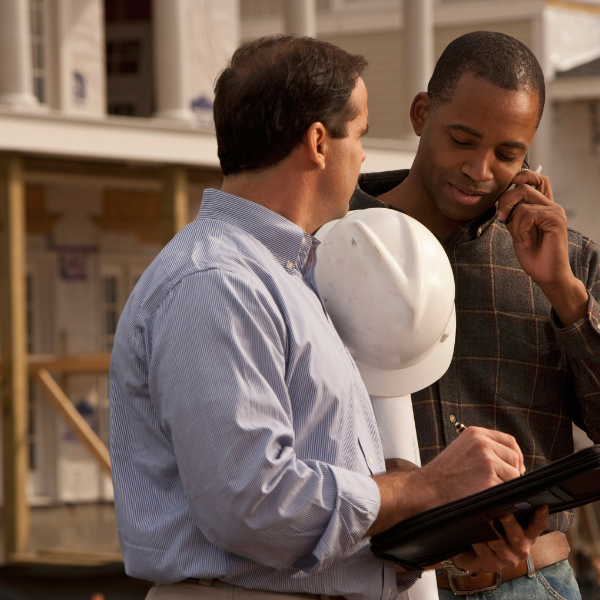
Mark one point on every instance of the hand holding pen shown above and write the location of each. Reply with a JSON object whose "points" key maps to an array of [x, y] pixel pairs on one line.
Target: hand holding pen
{"points": [[460, 427]]}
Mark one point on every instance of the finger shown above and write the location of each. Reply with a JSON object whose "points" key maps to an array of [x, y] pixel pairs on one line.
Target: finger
{"points": [[536, 180], [516, 543], [488, 559], [519, 540], [538, 523], [507, 447], [524, 193], [506, 464], [522, 226], [468, 561], [481, 559], [530, 222]]}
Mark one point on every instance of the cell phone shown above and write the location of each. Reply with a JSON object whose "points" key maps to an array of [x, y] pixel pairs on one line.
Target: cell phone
{"points": [[524, 167]]}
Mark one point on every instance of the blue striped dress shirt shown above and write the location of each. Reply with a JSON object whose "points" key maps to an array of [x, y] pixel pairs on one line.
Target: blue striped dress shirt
{"points": [[242, 437]]}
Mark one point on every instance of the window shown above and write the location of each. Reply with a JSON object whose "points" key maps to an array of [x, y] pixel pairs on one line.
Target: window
{"points": [[124, 109], [110, 310], [38, 54], [123, 57]]}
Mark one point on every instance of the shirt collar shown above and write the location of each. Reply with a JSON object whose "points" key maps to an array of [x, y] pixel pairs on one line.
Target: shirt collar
{"points": [[288, 243], [375, 184]]}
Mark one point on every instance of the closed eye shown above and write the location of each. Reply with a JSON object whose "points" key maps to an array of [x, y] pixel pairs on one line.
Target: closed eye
{"points": [[508, 159], [459, 143]]}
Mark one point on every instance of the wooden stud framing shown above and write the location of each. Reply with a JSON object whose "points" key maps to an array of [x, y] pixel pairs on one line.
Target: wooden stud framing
{"points": [[175, 201], [13, 375], [71, 415], [64, 363]]}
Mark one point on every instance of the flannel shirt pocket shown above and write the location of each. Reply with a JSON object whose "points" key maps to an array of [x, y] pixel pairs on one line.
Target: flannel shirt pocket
{"points": [[526, 370]]}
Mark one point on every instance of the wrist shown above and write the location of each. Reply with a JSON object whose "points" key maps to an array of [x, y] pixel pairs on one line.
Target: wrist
{"points": [[568, 298]]}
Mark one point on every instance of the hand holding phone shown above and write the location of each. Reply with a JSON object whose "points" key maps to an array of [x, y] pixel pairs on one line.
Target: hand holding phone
{"points": [[538, 227]]}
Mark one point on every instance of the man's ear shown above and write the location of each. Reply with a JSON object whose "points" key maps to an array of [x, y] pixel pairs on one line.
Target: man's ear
{"points": [[315, 143], [419, 111]]}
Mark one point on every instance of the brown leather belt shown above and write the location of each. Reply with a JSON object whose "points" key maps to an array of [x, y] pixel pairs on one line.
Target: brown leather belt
{"points": [[547, 550]]}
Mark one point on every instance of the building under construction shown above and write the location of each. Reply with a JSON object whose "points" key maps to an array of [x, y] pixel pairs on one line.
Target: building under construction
{"points": [[106, 146]]}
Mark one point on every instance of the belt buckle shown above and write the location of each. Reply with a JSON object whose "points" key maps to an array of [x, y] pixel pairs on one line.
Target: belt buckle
{"points": [[489, 588]]}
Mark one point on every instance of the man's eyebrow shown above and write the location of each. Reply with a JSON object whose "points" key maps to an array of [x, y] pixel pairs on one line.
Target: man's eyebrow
{"points": [[364, 131], [517, 145], [475, 133], [468, 130]]}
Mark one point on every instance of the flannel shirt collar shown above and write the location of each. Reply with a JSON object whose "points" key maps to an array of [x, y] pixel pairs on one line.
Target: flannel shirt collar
{"points": [[371, 185]]}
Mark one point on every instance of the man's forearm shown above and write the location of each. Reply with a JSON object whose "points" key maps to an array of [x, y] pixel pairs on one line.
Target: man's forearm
{"points": [[404, 493]]}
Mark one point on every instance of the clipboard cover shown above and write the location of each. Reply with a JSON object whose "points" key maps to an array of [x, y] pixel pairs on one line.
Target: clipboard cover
{"points": [[440, 533]]}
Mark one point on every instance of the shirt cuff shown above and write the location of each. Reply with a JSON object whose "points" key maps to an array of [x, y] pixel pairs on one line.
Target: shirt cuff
{"points": [[356, 508], [582, 339]]}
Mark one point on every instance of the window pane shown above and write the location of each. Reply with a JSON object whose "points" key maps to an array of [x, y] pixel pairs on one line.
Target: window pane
{"points": [[110, 289], [38, 56], [38, 89], [111, 322]]}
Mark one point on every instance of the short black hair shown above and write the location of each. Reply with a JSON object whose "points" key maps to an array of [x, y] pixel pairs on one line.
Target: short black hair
{"points": [[496, 57], [273, 90]]}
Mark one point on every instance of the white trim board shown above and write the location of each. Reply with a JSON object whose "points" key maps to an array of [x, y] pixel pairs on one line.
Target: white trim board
{"points": [[109, 138]]}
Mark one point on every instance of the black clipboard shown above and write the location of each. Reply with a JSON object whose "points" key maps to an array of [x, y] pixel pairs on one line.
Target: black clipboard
{"points": [[445, 531]]}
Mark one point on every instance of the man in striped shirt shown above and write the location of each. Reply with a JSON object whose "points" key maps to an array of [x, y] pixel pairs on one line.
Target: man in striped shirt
{"points": [[246, 457]]}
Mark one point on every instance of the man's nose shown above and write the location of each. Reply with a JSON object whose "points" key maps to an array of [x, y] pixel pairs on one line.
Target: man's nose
{"points": [[478, 167]]}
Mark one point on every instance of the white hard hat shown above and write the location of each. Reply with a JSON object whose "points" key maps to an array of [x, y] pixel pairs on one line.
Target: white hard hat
{"points": [[388, 287]]}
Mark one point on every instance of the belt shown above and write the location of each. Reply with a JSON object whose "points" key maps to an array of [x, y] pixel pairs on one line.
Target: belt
{"points": [[547, 550], [210, 582]]}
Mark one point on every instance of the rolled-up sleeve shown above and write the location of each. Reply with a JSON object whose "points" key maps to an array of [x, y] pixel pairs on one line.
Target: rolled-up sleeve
{"points": [[217, 377]]}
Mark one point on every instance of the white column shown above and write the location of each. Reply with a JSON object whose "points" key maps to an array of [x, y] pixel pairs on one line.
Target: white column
{"points": [[543, 146], [301, 17], [171, 60], [16, 78], [79, 48], [418, 35]]}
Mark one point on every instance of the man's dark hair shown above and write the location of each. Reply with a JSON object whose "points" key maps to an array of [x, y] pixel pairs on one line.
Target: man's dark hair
{"points": [[273, 90], [496, 57]]}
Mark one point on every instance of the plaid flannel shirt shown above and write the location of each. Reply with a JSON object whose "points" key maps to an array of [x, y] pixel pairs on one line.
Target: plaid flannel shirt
{"points": [[515, 368]]}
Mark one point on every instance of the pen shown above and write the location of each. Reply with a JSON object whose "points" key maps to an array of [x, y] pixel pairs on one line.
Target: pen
{"points": [[460, 427]]}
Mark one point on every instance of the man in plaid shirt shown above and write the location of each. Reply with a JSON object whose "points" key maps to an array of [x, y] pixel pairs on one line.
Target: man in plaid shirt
{"points": [[527, 354]]}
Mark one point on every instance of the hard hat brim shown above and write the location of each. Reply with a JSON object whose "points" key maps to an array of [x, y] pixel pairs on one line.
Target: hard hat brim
{"points": [[410, 379]]}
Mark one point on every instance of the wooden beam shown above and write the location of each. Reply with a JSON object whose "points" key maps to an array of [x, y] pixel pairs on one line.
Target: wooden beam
{"points": [[66, 556], [71, 415], [14, 391], [64, 363], [175, 201]]}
